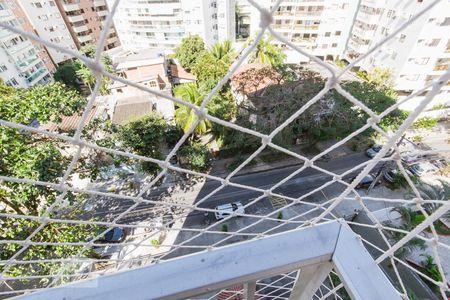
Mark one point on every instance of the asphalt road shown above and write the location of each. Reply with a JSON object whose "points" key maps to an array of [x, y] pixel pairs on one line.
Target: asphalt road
{"points": [[302, 183]]}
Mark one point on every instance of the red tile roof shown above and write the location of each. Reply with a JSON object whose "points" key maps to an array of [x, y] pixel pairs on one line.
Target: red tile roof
{"points": [[180, 72], [69, 122], [253, 79]]}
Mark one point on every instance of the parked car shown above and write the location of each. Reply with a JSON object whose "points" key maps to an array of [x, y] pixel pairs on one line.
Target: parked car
{"points": [[423, 168], [366, 181], [227, 209], [439, 163], [409, 158], [390, 174], [114, 235], [372, 151]]}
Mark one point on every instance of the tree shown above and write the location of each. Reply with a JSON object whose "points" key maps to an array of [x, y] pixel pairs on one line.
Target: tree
{"points": [[67, 74], [209, 70], [223, 51], [189, 51], [196, 156], [381, 77], [35, 157], [439, 192], [185, 116], [85, 74], [145, 136], [268, 53]]}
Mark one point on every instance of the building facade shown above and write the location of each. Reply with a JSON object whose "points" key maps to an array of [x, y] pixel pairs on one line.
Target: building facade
{"points": [[417, 56], [163, 24], [22, 63], [320, 27], [70, 24]]}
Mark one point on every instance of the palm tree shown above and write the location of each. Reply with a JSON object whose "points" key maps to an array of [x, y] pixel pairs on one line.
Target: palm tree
{"points": [[85, 74], [439, 191], [222, 51], [185, 116], [268, 53]]}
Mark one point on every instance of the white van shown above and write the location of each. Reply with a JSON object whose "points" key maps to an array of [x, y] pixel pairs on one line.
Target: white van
{"points": [[227, 209]]}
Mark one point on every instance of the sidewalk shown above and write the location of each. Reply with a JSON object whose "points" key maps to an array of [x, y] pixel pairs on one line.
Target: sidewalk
{"points": [[220, 166]]}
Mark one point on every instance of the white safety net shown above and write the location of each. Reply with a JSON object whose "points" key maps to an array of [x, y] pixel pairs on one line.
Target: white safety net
{"points": [[163, 216]]}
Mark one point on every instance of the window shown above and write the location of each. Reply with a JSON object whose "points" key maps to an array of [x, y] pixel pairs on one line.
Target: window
{"points": [[422, 61], [278, 22], [51, 3], [327, 34], [119, 90], [153, 84], [434, 42], [337, 33], [12, 82], [3, 68], [402, 38], [37, 4], [334, 45], [446, 22]]}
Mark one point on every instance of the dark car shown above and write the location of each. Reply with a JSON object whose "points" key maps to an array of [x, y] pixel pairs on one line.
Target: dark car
{"points": [[372, 151], [366, 181], [114, 235]]}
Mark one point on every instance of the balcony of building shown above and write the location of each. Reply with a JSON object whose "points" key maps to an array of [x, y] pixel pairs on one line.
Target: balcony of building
{"points": [[76, 18], [71, 6], [84, 38], [442, 64], [80, 28], [363, 33], [27, 62], [99, 3], [37, 75], [368, 18]]}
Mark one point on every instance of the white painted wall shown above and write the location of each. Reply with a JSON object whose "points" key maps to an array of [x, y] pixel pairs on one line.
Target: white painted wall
{"points": [[49, 24]]}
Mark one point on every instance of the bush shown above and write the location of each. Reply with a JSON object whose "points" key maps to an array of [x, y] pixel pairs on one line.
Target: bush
{"points": [[340, 63], [280, 216], [425, 123], [417, 138], [196, 156], [225, 227]]}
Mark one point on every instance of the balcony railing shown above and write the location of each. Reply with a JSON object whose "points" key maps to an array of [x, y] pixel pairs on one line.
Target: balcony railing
{"points": [[35, 75]]}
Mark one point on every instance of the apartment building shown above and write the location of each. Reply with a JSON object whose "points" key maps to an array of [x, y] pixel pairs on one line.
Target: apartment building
{"points": [[320, 27], [22, 64], [70, 24], [145, 24], [417, 56]]}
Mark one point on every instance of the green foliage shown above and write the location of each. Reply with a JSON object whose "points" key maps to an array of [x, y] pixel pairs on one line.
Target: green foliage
{"points": [[417, 138], [425, 123], [225, 227], [340, 63], [189, 51], [20, 229], [439, 107], [431, 269], [25, 155], [381, 77], [268, 53], [185, 117], [155, 243], [280, 215], [67, 74], [210, 70], [85, 74], [196, 156], [144, 136]]}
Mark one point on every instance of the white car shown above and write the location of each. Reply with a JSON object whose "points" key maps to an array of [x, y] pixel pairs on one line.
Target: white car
{"points": [[423, 168], [227, 209]]}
